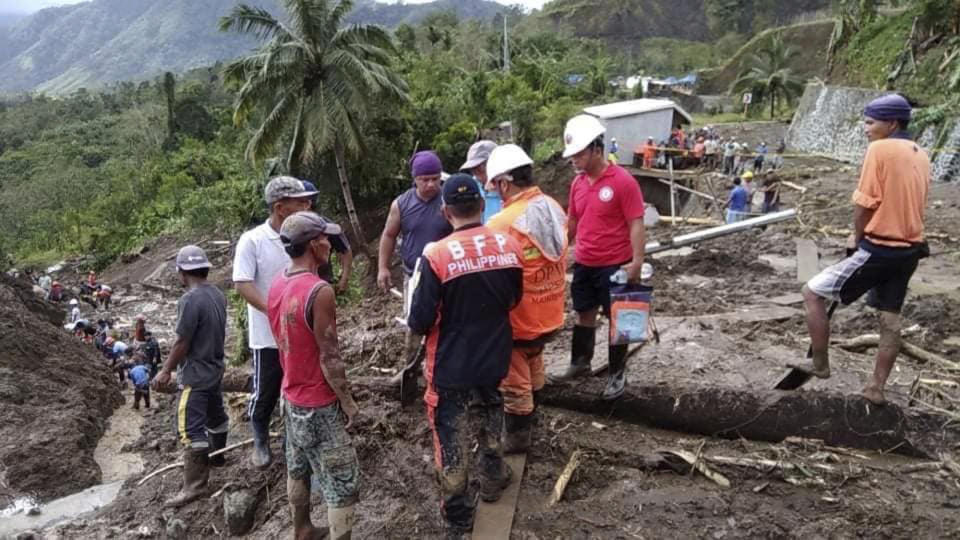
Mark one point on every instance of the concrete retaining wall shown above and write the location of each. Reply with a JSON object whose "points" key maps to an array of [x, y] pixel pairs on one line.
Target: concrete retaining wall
{"points": [[829, 122]]}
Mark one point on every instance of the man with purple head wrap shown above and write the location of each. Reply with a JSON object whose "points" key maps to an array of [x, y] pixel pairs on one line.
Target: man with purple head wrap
{"points": [[417, 219], [887, 243]]}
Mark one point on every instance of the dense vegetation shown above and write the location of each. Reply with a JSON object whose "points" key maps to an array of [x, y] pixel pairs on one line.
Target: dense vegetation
{"points": [[101, 172]]}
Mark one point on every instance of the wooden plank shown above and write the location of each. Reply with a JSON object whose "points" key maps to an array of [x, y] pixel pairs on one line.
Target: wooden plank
{"points": [[808, 261], [494, 521]]}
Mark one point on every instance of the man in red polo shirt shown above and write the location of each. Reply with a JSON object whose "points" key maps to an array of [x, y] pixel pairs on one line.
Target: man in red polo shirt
{"points": [[605, 215], [319, 407]]}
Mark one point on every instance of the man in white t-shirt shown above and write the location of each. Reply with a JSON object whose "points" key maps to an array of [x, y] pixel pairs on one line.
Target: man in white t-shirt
{"points": [[259, 258]]}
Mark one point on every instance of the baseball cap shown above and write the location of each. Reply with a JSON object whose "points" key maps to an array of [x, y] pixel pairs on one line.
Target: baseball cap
{"points": [[285, 187], [192, 258], [461, 188], [305, 226], [478, 153]]}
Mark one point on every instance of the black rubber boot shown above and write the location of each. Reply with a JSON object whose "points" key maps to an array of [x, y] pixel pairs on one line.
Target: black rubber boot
{"points": [[581, 353], [218, 441], [617, 379], [516, 433], [494, 478], [260, 455]]}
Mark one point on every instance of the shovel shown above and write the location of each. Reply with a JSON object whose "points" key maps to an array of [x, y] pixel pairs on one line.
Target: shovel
{"points": [[795, 378], [408, 376]]}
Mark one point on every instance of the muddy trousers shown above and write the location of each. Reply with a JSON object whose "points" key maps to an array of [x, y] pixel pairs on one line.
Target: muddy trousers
{"points": [[267, 376], [141, 392], [526, 376], [200, 415], [450, 420]]}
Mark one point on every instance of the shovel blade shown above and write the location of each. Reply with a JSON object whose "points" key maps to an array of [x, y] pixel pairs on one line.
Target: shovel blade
{"points": [[795, 378], [408, 386]]}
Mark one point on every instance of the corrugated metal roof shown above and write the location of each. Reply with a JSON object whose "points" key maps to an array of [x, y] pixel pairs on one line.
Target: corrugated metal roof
{"points": [[634, 106]]}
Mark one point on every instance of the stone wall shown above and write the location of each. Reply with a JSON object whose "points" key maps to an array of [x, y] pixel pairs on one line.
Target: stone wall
{"points": [[829, 122]]}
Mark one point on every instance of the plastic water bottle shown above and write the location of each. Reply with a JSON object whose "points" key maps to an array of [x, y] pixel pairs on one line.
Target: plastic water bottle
{"points": [[620, 276]]}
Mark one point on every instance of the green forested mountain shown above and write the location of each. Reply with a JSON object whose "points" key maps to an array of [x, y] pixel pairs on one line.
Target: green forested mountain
{"points": [[695, 20], [62, 49]]}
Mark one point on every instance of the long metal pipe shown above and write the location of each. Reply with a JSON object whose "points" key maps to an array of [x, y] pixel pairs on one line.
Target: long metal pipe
{"points": [[717, 232]]}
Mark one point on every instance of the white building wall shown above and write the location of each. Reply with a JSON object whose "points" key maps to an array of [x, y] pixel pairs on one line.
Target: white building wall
{"points": [[632, 131]]}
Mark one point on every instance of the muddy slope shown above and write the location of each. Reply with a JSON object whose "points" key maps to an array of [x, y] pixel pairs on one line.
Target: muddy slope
{"points": [[55, 397]]}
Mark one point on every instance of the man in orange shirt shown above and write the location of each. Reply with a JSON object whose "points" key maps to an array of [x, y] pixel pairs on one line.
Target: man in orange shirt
{"points": [[539, 224], [649, 151], [889, 205]]}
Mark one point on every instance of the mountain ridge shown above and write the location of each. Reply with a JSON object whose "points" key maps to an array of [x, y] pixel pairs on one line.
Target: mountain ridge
{"points": [[59, 50]]}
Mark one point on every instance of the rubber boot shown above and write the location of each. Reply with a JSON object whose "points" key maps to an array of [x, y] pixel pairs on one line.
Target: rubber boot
{"points": [[260, 454], [196, 472], [218, 441], [617, 379], [341, 522], [516, 433], [298, 494], [581, 353], [496, 476]]}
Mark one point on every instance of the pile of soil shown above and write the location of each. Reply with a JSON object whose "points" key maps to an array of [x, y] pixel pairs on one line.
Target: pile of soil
{"points": [[55, 397]]}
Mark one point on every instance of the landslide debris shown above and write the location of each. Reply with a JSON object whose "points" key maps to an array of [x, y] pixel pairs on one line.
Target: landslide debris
{"points": [[55, 397]]}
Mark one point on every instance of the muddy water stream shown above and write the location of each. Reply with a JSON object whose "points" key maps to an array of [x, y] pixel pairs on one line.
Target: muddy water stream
{"points": [[115, 464]]}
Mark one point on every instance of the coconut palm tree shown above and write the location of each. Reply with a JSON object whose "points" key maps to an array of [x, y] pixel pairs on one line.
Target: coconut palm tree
{"points": [[769, 75], [314, 78]]}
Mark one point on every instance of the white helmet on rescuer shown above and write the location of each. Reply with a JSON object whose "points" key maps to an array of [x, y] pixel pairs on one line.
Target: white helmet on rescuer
{"points": [[506, 158], [581, 130]]}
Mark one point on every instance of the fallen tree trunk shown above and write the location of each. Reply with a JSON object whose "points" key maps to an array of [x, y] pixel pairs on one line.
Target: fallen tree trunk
{"points": [[765, 415], [732, 413]]}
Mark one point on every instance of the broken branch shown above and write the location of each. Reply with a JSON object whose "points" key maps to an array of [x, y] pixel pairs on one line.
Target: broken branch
{"points": [[565, 477]]}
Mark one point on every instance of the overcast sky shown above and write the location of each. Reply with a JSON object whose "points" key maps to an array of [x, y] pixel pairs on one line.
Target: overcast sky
{"points": [[29, 6]]}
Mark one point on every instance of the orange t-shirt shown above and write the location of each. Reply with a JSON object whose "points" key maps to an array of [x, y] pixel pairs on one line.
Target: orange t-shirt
{"points": [[894, 183]]}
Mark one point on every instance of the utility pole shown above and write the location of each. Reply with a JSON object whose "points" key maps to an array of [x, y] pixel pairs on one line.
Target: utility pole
{"points": [[506, 46]]}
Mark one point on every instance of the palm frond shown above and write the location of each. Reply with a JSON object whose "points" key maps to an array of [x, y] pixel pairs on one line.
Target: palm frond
{"points": [[265, 138], [251, 20]]}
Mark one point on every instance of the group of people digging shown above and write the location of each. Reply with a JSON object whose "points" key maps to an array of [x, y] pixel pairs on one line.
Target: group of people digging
{"points": [[482, 296]]}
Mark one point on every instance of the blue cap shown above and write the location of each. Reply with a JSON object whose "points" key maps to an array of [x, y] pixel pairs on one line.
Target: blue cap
{"points": [[461, 188], [889, 107]]}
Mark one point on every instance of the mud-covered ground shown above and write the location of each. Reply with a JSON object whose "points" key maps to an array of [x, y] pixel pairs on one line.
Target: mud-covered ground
{"points": [[718, 324], [55, 396]]}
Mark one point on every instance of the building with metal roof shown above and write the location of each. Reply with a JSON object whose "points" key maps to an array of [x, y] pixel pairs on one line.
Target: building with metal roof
{"points": [[631, 122]]}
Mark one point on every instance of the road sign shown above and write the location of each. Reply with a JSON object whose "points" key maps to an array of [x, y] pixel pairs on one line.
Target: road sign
{"points": [[747, 98]]}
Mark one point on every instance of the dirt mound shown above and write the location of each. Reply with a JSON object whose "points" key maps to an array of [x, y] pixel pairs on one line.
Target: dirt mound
{"points": [[55, 396]]}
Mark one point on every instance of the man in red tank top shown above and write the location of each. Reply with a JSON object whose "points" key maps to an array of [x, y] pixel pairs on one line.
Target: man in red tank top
{"points": [[319, 407]]}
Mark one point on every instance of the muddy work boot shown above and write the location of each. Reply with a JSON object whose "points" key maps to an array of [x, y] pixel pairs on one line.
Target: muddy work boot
{"points": [[341, 522], [298, 494], [581, 353], [516, 433], [218, 441], [260, 454], [196, 472], [617, 380], [495, 478]]}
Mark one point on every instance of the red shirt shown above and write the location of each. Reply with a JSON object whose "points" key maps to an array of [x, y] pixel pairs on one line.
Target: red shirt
{"points": [[603, 212], [303, 382]]}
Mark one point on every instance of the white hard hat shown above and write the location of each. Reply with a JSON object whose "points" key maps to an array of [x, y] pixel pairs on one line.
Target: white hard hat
{"points": [[506, 158], [74, 302], [581, 130]]}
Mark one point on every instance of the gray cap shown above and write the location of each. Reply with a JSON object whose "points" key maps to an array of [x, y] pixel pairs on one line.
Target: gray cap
{"points": [[305, 226], [192, 258], [478, 153], [285, 187]]}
